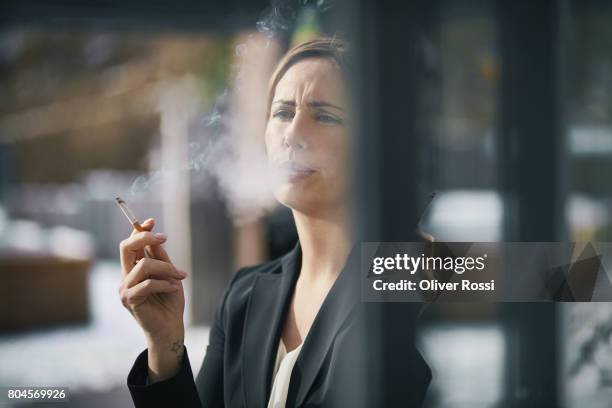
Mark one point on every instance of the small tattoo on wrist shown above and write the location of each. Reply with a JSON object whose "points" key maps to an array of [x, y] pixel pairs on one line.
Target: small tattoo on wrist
{"points": [[177, 349]]}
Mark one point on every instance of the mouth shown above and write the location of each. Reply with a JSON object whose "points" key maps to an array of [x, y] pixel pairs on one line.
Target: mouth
{"points": [[295, 171]]}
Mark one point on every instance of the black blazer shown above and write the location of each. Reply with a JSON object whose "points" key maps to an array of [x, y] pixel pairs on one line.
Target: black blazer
{"points": [[344, 361]]}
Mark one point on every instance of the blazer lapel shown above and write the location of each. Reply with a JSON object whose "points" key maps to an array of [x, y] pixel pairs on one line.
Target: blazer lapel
{"points": [[266, 309], [339, 302]]}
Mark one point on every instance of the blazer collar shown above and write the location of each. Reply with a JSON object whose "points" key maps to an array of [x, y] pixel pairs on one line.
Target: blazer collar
{"points": [[266, 311], [267, 305], [338, 304]]}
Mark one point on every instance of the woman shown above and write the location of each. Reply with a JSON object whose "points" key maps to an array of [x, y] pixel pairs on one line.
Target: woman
{"points": [[291, 332]]}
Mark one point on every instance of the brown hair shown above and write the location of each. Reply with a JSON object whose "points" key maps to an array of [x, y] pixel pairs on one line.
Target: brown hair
{"points": [[330, 48]]}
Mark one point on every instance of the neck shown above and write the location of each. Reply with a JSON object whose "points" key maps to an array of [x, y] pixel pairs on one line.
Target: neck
{"points": [[325, 241]]}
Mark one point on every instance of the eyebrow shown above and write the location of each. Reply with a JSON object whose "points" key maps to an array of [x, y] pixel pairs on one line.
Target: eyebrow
{"points": [[311, 104]]}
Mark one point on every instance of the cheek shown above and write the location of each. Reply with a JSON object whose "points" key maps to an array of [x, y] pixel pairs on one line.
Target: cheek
{"points": [[336, 156], [338, 147]]}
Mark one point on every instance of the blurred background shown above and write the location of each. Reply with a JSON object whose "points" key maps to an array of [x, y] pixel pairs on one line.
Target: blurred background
{"points": [[504, 109]]}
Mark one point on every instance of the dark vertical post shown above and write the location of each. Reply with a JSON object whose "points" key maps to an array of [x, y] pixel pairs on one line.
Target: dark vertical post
{"points": [[388, 64], [386, 41], [532, 118], [531, 158]]}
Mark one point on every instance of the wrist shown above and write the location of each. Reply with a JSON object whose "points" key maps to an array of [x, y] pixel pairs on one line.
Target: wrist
{"points": [[161, 339], [165, 355]]}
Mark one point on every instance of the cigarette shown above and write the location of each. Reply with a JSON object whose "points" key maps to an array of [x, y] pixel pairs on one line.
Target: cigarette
{"points": [[129, 214]]}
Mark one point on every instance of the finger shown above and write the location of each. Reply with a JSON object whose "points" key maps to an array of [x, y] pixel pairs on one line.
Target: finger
{"points": [[158, 252], [149, 268], [138, 294], [147, 226], [130, 248], [142, 239]]}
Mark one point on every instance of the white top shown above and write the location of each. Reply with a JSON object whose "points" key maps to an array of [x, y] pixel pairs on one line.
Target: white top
{"points": [[282, 374]]}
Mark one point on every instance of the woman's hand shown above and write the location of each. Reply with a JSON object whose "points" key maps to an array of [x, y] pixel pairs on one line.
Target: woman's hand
{"points": [[151, 290]]}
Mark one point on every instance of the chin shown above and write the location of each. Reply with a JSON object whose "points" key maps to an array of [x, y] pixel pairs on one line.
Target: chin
{"points": [[306, 200], [295, 197]]}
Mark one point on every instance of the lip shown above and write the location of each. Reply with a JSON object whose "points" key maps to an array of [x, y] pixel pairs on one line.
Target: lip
{"points": [[295, 171]]}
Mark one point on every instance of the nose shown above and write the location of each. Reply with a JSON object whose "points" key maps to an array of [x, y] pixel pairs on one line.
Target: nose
{"points": [[294, 137]]}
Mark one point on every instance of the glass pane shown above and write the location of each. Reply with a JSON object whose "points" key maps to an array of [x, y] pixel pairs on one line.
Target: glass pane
{"points": [[463, 344], [587, 328]]}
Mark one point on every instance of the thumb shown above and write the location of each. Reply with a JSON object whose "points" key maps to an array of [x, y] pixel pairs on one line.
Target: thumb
{"points": [[156, 251], [148, 224]]}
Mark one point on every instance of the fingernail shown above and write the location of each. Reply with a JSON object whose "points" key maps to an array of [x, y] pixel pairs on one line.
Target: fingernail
{"points": [[160, 235], [182, 273]]}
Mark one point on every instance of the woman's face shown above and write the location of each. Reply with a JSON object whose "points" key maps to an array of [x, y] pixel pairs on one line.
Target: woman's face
{"points": [[307, 137]]}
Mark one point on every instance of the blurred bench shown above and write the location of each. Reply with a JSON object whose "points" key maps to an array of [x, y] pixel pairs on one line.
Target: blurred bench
{"points": [[39, 290]]}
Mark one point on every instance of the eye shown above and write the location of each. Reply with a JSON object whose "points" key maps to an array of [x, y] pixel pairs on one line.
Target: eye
{"points": [[283, 114], [327, 118]]}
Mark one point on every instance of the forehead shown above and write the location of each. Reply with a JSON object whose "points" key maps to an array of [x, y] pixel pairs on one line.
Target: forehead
{"points": [[311, 78]]}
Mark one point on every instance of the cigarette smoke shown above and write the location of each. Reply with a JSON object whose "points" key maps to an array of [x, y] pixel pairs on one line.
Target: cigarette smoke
{"points": [[227, 144]]}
